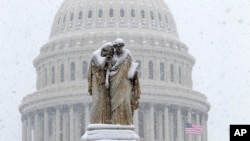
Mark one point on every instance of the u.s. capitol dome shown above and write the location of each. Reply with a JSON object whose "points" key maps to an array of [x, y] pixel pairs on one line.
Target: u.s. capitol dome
{"points": [[59, 109]]}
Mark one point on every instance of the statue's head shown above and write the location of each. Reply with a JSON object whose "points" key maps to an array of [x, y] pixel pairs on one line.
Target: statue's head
{"points": [[118, 45], [107, 50]]}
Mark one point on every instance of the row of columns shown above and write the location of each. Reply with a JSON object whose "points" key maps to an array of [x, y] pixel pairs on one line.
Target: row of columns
{"points": [[168, 124], [55, 126]]}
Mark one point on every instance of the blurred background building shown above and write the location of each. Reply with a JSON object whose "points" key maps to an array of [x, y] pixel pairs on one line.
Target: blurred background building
{"points": [[59, 109]]}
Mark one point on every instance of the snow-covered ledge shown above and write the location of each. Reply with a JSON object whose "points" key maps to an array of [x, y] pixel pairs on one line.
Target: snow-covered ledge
{"points": [[109, 132]]}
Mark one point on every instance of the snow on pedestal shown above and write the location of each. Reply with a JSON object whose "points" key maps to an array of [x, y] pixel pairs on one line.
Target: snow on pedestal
{"points": [[109, 132]]}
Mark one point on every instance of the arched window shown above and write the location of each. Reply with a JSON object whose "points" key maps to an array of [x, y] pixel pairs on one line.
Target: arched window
{"points": [[139, 68], [180, 75], [71, 16], [122, 12], [80, 15], [172, 73], [90, 14], [152, 15], [133, 13], [162, 69], [150, 70], [53, 75], [143, 14], [159, 16], [64, 18], [111, 12], [72, 71], [84, 69], [62, 73], [45, 77], [100, 13]]}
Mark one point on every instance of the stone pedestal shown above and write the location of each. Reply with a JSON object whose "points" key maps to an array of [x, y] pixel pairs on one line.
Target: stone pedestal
{"points": [[108, 132]]}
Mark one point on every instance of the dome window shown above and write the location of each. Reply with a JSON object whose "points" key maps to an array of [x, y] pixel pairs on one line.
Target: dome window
{"points": [[143, 14], [100, 13], [45, 77], [159, 16], [152, 15], [64, 18], [122, 12], [172, 73], [150, 70], [132, 12], [62, 73], [72, 71], [90, 14], [53, 75], [162, 75], [80, 15], [84, 69], [71, 16], [111, 12], [180, 75]]}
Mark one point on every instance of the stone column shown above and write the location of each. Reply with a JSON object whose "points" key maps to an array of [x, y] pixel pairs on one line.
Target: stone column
{"points": [[57, 123], [77, 126], [179, 125], [36, 127], [166, 124], [198, 137], [189, 120], [71, 124], [135, 120], [151, 130], [54, 128], [29, 135], [205, 127], [160, 126], [171, 126], [65, 126], [24, 129], [87, 116], [46, 125], [145, 126]]}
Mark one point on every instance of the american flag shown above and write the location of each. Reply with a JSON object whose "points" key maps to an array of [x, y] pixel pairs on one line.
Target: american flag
{"points": [[193, 129]]}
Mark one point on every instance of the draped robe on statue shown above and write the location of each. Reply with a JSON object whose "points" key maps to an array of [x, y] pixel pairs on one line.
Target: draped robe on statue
{"points": [[101, 109], [124, 90]]}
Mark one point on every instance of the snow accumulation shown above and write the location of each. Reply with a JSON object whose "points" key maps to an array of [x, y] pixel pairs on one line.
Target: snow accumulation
{"points": [[96, 55], [132, 70], [109, 132]]}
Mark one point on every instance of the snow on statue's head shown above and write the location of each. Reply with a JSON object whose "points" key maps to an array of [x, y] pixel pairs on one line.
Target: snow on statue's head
{"points": [[107, 50], [118, 43]]}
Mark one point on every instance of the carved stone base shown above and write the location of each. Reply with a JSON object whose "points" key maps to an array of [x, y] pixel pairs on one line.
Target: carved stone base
{"points": [[108, 132]]}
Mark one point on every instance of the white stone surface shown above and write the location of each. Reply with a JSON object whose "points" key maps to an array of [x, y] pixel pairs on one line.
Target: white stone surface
{"points": [[108, 132]]}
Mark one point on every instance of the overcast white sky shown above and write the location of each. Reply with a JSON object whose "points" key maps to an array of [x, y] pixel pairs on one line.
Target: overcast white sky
{"points": [[217, 33]]}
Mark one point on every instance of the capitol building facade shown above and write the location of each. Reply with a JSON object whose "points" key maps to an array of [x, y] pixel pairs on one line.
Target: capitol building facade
{"points": [[59, 109]]}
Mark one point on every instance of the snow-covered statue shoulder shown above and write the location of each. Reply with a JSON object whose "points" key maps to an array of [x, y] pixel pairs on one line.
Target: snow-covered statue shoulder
{"points": [[113, 84]]}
